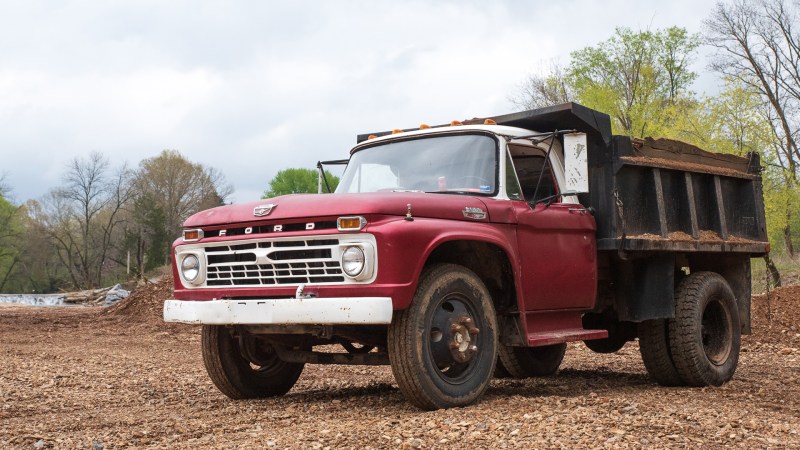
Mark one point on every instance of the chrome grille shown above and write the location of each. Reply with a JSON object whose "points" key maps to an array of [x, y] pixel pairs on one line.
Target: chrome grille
{"points": [[274, 262]]}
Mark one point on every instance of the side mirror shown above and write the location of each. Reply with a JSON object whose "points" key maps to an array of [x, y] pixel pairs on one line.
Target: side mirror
{"points": [[576, 163]]}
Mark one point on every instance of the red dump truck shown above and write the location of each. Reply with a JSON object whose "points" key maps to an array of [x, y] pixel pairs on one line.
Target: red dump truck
{"points": [[458, 252]]}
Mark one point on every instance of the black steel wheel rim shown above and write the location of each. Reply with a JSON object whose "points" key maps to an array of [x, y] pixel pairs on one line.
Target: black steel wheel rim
{"points": [[453, 338], [716, 332]]}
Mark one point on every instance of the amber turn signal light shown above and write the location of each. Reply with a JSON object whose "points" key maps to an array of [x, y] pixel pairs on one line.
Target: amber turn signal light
{"points": [[192, 235], [352, 223], [489, 122]]}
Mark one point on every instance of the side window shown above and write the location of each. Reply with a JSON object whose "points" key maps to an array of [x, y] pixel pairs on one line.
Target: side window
{"points": [[513, 190], [529, 171]]}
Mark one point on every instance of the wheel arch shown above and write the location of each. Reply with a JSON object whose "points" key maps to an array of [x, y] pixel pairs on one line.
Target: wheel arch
{"points": [[489, 261]]}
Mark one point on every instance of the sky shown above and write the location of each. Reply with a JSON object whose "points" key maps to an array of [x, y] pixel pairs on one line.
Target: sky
{"points": [[253, 87]]}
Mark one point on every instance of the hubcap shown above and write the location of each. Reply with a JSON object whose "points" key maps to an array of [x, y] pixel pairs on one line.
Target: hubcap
{"points": [[453, 337], [461, 332]]}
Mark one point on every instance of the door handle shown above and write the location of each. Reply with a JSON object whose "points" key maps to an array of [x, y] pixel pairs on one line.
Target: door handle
{"points": [[577, 210]]}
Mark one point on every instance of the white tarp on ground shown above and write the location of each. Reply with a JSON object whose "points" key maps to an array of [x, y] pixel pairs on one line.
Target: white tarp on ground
{"points": [[33, 299], [112, 296]]}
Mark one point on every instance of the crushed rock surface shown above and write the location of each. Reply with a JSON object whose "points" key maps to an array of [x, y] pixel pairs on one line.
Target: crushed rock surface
{"points": [[118, 377]]}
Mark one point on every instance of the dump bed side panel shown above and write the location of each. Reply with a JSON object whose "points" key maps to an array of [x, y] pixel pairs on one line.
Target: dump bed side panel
{"points": [[663, 195]]}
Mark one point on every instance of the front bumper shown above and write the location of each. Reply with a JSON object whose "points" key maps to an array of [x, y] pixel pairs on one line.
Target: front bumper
{"points": [[316, 311]]}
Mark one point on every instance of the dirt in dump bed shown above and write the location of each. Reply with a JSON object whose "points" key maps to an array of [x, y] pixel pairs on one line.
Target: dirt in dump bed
{"points": [[119, 378], [684, 166]]}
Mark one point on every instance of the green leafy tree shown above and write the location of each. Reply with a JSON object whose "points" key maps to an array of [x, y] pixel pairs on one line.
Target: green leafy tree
{"points": [[757, 45], [641, 79], [298, 181], [10, 231]]}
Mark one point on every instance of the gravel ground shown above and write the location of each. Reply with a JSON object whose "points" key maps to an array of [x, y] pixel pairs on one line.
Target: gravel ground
{"points": [[117, 378]]}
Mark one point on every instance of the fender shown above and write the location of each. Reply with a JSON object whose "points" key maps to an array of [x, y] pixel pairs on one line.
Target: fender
{"points": [[401, 242]]}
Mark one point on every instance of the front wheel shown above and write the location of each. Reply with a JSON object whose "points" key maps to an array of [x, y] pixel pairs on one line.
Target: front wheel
{"points": [[244, 367], [443, 348]]}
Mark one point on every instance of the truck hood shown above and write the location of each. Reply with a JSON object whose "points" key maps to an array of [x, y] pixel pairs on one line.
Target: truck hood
{"points": [[298, 206]]}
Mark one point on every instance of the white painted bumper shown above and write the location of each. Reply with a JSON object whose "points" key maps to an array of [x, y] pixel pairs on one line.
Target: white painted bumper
{"points": [[332, 311]]}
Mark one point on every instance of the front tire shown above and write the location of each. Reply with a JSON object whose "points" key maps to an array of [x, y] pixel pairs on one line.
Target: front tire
{"points": [[443, 348], [705, 336], [259, 374]]}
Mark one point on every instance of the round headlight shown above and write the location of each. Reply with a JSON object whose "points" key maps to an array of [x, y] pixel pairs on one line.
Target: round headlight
{"points": [[353, 261], [190, 267]]}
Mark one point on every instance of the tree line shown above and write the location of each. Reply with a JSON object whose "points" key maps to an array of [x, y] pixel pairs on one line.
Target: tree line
{"points": [[103, 223], [643, 80]]}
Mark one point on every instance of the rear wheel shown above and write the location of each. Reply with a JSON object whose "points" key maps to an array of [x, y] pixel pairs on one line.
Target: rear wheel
{"points": [[444, 346], [524, 362], [705, 336], [244, 367], [656, 355]]}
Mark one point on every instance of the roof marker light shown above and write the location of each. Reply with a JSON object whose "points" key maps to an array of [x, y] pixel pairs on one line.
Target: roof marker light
{"points": [[396, 131], [455, 123], [372, 136], [489, 122], [424, 126]]}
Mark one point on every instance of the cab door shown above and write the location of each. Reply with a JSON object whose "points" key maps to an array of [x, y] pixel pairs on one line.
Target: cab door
{"points": [[558, 256], [556, 242]]}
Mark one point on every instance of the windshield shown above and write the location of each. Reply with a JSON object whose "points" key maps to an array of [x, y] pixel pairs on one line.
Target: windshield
{"points": [[464, 163]]}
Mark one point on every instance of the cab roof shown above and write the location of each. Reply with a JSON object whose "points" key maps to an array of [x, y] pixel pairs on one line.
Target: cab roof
{"points": [[566, 116]]}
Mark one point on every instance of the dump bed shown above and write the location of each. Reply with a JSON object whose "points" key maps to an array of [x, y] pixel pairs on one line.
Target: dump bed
{"points": [[661, 195]]}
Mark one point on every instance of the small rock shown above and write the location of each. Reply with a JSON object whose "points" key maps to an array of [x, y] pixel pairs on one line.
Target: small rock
{"points": [[97, 445], [39, 445]]}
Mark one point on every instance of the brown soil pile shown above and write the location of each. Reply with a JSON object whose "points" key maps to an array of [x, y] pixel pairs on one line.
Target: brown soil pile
{"points": [[776, 316], [145, 305]]}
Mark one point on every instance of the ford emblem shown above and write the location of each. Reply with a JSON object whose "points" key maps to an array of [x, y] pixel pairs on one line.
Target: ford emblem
{"points": [[263, 210]]}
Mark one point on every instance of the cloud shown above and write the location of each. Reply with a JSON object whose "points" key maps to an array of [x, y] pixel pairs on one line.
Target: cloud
{"points": [[253, 87]]}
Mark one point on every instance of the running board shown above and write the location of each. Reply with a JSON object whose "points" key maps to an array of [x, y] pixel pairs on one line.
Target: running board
{"points": [[556, 327], [557, 337]]}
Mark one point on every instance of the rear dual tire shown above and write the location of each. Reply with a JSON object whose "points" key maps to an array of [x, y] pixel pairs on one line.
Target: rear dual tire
{"points": [[700, 346]]}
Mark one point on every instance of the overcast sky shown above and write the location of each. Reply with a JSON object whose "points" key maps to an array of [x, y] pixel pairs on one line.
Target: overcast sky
{"points": [[252, 87]]}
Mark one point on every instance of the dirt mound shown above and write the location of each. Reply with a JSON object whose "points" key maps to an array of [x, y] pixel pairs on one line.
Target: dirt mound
{"points": [[776, 316], [145, 305]]}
